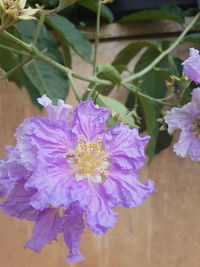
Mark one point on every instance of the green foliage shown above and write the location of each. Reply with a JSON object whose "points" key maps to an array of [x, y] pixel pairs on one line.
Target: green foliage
{"points": [[8, 59], [76, 40], [168, 12], [129, 52], [92, 5], [42, 76], [193, 38], [110, 73], [118, 108]]}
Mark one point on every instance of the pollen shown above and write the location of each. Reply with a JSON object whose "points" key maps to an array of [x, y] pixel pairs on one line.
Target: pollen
{"points": [[89, 160], [11, 6]]}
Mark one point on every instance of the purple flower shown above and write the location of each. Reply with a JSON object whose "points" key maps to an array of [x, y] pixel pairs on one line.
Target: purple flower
{"points": [[72, 172], [187, 119], [191, 66]]}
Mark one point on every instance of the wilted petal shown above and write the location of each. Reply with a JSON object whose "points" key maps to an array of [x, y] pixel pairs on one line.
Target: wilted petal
{"points": [[48, 226], [59, 112]]}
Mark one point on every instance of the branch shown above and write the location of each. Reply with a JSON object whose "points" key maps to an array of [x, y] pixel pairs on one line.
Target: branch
{"points": [[162, 55]]}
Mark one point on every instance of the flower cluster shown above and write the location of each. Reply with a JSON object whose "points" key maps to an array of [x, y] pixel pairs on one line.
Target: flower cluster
{"points": [[70, 170], [13, 10], [187, 118]]}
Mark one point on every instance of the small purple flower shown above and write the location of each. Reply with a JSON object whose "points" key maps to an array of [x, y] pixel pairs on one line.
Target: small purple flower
{"points": [[191, 66], [187, 119], [65, 173]]}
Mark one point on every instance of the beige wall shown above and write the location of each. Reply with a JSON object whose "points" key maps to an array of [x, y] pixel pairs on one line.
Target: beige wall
{"points": [[164, 232]]}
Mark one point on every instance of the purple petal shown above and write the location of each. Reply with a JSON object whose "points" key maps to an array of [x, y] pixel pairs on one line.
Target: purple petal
{"points": [[73, 228], [126, 147], [48, 226], [53, 182], [126, 190], [188, 145], [89, 120], [181, 118], [18, 205], [52, 139], [59, 112], [191, 66], [95, 202]]}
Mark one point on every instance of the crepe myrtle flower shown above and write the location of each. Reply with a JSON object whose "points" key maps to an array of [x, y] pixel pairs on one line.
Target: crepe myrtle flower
{"points": [[12, 11], [191, 66], [186, 119], [68, 171]]}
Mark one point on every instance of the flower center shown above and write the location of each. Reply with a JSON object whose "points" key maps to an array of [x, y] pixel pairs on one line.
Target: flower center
{"points": [[11, 6], [89, 160], [196, 128]]}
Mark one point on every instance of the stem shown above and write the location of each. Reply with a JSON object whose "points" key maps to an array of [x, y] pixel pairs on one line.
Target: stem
{"points": [[13, 50], [74, 88], [38, 27], [154, 99], [10, 72], [33, 51], [162, 55], [97, 36], [27, 47]]}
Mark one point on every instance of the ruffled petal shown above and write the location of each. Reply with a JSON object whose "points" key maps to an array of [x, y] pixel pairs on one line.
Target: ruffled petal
{"points": [[59, 112], [89, 120], [188, 145], [18, 205], [51, 138], [125, 189], [53, 182], [126, 147], [181, 118], [191, 66], [95, 203], [48, 226], [196, 96], [73, 228]]}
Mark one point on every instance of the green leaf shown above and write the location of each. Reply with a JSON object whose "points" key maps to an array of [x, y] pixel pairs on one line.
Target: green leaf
{"points": [[130, 51], [110, 73], [118, 108], [31, 89], [45, 78], [192, 38], [150, 116], [148, 57], [66, 53], [92, 5], [8, 59], [163, 141], [74, 38], [168, 12]]}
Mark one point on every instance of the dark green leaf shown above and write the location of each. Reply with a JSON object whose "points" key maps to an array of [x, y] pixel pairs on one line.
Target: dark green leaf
{"points": [[163, 141], [193, 38], [32, 90], [45, 78], [130, 51], [168, 12], [74, 38], [110, 72], [150, 114], [92, 5], [8, 59], [118, 108], [66, 53]]}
